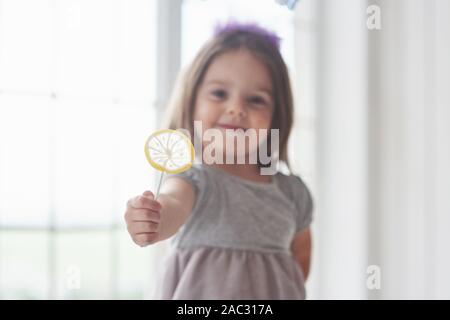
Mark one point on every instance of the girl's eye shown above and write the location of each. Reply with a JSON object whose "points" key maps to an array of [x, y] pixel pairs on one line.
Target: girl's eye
{"points": [[220, 94], [257, 100]]}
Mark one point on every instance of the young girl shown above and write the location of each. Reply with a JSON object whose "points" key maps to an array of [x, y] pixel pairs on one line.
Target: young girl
{"points": [[237, 234]]}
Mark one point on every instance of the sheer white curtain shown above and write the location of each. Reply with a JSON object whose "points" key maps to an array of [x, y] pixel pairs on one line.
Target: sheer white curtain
{"points": [[410, 149], [340, 244], [383, 150]]}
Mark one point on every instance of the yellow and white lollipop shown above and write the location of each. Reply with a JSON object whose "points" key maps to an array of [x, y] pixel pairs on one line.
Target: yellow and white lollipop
{"points": [[169, 151]]}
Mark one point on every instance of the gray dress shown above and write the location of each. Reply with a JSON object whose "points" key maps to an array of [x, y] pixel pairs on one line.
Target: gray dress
{"points": [[236, 242]]}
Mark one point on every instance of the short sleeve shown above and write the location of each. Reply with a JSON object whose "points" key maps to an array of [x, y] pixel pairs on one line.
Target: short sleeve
{"points": [[194, 176], [303, 202]]}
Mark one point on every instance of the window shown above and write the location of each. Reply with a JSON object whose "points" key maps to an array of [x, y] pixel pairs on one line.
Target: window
{"points": [[76, 104]]}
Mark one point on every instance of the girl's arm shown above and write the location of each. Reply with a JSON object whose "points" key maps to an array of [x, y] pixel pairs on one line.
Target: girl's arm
{"points": [[301, 249], [177, 199]]}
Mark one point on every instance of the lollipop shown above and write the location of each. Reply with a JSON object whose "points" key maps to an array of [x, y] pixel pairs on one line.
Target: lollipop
{"points": [[169, 151]]}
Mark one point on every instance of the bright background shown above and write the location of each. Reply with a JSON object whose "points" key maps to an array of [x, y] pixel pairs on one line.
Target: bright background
{"points": [[83, 83]]}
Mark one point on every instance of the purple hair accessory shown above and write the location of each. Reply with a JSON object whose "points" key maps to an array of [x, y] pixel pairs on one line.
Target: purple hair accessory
{"points": [[270, 36], [288, 3]]}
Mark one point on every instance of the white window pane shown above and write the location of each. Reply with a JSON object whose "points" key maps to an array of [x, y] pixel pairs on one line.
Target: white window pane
{"points": [[140, 269], [25, 45], [24, 160], [24, 265], [84, 265], [135, 268], [85, 48], [84, 158], [133, 174], [136, 40]]}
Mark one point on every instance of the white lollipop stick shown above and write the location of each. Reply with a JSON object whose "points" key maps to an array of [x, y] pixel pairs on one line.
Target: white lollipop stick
{"points": [[159, 184]]}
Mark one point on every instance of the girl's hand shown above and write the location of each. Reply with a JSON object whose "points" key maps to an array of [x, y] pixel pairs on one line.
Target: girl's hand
{"points": [[143, 219]]}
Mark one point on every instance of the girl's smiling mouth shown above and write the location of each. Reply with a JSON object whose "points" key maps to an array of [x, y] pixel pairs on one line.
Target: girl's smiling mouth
{"points": [[230, 126]]}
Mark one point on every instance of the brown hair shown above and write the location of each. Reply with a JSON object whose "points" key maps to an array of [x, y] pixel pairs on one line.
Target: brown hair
{"points": [[182, 102]]}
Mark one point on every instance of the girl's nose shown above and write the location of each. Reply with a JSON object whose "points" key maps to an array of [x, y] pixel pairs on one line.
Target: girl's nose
{"points": [[237, 108]]}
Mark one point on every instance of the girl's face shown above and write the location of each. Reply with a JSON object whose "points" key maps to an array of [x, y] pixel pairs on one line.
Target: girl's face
{"points": [[236, 92]]}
